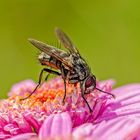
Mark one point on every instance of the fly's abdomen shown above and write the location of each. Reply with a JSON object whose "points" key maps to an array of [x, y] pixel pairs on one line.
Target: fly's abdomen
{"points": [[49, 61]]}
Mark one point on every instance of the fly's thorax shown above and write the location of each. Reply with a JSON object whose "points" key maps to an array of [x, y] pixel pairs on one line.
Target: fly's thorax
{"points": [[80, 67]]}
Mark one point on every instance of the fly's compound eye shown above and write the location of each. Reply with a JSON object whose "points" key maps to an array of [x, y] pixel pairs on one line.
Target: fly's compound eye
{"points": [[90, 84], [90, 81]]}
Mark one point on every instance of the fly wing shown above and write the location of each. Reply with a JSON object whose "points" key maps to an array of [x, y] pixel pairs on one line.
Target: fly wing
{"points": [[52, 51], [66, 42]]}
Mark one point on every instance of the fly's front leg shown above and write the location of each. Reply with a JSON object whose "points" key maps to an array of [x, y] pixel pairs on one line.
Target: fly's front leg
{"points": [[65, 91], [40, 79], [82, 93], [64, 74]]}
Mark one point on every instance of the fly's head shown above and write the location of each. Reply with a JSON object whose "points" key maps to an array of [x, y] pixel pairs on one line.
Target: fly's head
{"points": [[89, 84], [43, 58]]}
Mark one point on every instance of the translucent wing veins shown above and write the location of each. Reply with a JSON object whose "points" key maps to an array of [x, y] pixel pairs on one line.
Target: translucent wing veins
{"points": [[66, 42], [52, 51]]}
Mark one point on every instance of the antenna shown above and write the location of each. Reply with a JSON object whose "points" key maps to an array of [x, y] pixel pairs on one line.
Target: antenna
{"points": [[106, 92]]}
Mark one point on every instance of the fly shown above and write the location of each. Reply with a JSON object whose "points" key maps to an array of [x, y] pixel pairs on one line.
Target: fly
{"points": [[70, 65]]}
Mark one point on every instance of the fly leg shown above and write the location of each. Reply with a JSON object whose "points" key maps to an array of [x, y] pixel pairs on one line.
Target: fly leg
{"points": [[47, 76], [40, 79], [64, 73], [65, 91], [50, 69], [82, 93]]}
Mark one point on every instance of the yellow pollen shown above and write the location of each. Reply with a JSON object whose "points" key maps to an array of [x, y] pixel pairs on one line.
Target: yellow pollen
{"points": [[41, 98]]}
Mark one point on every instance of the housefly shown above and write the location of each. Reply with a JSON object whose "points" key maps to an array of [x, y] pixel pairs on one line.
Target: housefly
{"points": [[69, 64]]}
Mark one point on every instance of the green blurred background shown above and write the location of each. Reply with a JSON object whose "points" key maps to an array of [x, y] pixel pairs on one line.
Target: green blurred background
{"points": [[107, 33]]}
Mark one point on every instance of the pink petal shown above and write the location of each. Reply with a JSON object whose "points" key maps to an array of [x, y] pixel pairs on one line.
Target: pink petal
{"points": [[22, 88], [116, 129], [32, 121], [120, 120], [25, 136], [83, 131], [127, 102], [23, 125], [127, 88], [56, 125], [120, 128], [110, 82], [4, 136]]}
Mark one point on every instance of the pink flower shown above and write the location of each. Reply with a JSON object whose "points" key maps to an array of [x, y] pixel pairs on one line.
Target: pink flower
{"points": [[44, 117]]}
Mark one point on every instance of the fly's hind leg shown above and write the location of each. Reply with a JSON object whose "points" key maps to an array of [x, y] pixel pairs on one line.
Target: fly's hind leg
{"points": [[47, 76], [40, 79]]}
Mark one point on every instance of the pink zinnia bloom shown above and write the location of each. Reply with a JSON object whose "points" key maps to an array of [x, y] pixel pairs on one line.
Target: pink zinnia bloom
{"points": [[44, 117]]}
